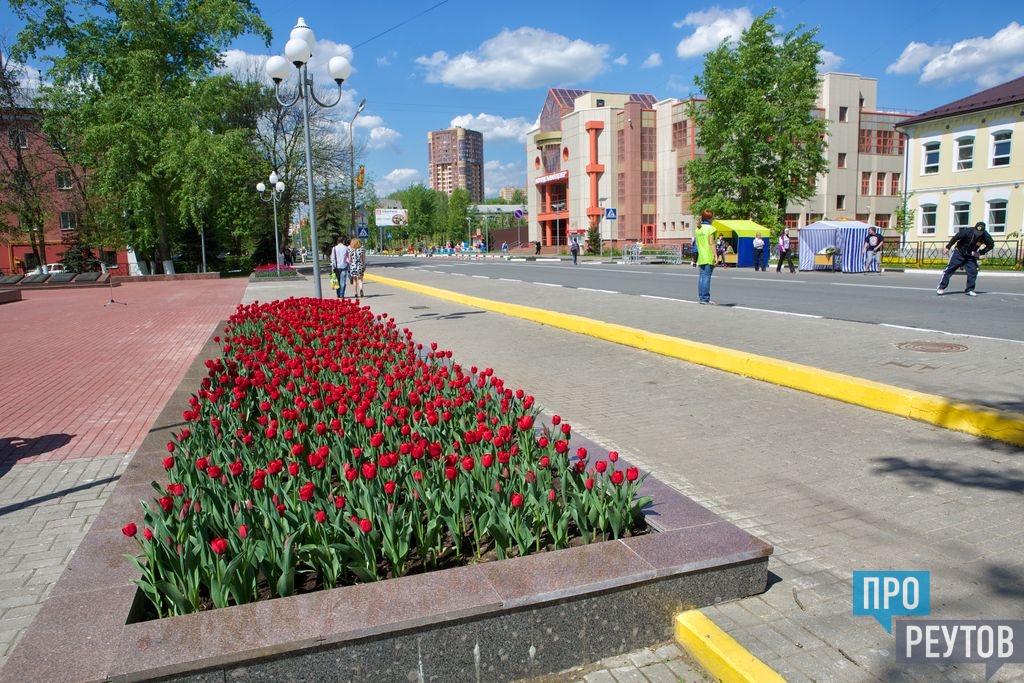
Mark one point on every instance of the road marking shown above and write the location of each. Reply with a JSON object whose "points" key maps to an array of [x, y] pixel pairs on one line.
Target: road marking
{"points": [[547, 284], [665, 298], [602, 291], [950, 334], [481, 277], [508, 279]]}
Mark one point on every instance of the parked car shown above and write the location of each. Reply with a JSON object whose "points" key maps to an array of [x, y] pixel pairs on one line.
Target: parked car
{"points": [[51, 268]]}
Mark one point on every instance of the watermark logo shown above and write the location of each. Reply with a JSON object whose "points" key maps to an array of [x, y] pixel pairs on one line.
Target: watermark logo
{"points": [[951, 641], [886, 594]]}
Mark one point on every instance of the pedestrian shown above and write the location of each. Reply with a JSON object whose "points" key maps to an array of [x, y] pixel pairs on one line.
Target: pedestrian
{"points": [[536, 248], [504, 248], [758, 244], [965, 253], [705, 239], [720, 249], [287, 257], [872, 248], [574, 249], [357, 265], [785, 252], [341, 260]]}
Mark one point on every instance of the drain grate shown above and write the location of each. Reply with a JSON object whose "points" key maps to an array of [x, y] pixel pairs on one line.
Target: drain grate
{"points": [[931, 347]]}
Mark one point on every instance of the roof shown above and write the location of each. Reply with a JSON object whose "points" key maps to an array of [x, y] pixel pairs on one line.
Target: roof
{"points": [[1011, 92], [837, 225], [742, 228]]}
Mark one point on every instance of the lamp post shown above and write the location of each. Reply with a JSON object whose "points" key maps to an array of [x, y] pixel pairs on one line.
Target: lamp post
{"points": [[299, 50], [352, 166], [276, 188]]}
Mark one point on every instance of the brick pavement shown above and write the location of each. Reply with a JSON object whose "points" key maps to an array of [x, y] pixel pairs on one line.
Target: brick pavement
{"points": [[81, 385]]}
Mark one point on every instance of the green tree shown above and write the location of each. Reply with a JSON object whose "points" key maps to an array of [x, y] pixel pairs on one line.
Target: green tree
{"points": [[458, 210], [139, 74], [763, 147]]}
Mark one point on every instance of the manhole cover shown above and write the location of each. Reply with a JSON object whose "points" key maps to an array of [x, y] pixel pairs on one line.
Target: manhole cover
{"points": [[931, 347]]}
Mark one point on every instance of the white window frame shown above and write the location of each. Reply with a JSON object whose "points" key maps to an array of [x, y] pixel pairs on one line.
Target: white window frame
{"points": [[64, 180], [960, 163], [996, 227], [962, 211], [68, 221], [995, 143], [926, 149], [927, 210]]}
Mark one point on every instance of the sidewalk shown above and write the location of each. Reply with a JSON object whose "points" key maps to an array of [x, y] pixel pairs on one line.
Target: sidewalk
{"points": [[835, 487]]}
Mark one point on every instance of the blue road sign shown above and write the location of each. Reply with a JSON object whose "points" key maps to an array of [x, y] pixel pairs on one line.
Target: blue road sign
{"points": [[610, 214], [518, 213], [362, 232]]}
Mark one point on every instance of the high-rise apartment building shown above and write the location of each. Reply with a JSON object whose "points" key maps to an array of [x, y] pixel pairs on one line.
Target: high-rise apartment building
{"points": [[618, 162], [455, 158]]}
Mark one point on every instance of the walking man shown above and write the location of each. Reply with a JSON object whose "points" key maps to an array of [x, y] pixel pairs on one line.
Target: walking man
{"points": [[341, 260], [966, 247], [872, 248], [705, 241], [574, 249], [785, 252]]}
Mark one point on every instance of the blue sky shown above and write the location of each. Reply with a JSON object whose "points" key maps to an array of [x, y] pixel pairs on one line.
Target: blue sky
{"points": [[426, 65]]}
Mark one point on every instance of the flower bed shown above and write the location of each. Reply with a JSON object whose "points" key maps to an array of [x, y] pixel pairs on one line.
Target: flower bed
{"points": [[326, 448], [271, 271]]}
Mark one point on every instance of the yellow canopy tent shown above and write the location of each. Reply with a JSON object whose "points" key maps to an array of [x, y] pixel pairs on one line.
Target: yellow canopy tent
{"points": [[740, 234]]}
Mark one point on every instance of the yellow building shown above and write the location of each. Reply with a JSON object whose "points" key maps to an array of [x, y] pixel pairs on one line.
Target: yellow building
{"points": [[966, 164]]}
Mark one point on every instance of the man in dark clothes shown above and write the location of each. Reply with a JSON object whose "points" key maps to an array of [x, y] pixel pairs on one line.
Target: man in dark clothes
{"points": [[965, 252]]}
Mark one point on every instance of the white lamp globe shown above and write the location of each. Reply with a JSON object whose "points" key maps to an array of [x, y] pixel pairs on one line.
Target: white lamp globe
{"points": [[278, 68], [260, 187], [303, 32], [297, 51], [273, 177], [339, 68], [279, 186]]}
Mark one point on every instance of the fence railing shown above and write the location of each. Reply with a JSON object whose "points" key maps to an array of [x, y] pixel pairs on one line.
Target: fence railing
{"points": [[928, 254], [647, 253]]}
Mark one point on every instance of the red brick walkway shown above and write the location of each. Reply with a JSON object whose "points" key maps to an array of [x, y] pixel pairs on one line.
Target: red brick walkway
{"points": [[80, 380]]}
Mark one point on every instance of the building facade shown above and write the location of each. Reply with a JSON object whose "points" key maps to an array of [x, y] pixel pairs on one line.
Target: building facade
{"points": [[966, 164], [36, 178], [595, 151], [455, 159]]}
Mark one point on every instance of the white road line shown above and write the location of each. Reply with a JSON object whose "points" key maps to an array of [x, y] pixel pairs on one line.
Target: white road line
{"points": [[547, 284], [664, 298], [602, 291], [950, 334], [481, 277], [508, 279], [769, 310]]}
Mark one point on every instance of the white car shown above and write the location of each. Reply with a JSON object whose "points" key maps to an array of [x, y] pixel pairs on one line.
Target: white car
{"points": [[51, 269]]}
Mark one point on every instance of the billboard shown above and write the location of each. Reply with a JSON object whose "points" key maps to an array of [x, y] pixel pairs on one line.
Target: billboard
{"points": [[388, 217]]}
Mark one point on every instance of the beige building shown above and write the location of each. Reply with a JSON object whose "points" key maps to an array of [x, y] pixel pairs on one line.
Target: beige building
{"points": [[455, 159], [595, 151], [963, 165], [508, 194]]}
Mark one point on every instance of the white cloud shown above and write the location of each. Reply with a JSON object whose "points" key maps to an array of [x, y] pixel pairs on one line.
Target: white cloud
{"points": [[524, 58], [498, 175], [711, 28], [988, 61], [914, 55], [654, 60], [398, 179], [621, 60], [496, 128], [382, 137], [829, 61]]}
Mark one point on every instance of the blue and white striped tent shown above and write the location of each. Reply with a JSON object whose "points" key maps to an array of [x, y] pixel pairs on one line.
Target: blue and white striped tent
{"points": [[846, 236]]}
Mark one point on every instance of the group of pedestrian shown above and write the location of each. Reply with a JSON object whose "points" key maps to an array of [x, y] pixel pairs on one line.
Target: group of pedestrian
{"points": [[963, 249], [348, 263]]}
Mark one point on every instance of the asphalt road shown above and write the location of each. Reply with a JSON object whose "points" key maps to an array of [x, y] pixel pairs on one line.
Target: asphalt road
{"points": [[902, 299]]}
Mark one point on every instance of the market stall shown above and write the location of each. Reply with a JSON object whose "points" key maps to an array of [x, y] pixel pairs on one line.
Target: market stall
{"points": [[846, 237], [740, 236]]}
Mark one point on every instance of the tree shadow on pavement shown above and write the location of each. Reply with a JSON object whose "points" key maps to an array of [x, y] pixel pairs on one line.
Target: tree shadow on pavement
{"points": [[924, 472], [15, 448]]}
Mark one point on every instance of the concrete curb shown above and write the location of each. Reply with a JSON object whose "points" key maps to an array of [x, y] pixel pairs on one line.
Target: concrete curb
{"points": [[915, 405], [718, 653]]}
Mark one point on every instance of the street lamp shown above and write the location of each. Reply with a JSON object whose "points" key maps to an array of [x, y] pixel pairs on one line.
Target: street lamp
{"points": [[299, 50], [352, 165], [276, 188]]}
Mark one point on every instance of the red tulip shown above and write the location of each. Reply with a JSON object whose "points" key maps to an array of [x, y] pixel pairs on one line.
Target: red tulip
{"points": [[517, 500], [219, 546], [129, 529]]}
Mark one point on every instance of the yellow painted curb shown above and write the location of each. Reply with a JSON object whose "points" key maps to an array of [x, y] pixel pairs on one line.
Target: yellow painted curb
{"points": [[718, 653], [915, 405]]}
